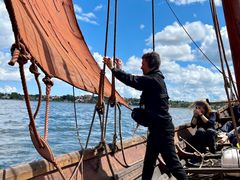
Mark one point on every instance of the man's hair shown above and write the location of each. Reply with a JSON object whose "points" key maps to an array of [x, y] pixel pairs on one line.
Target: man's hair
{"points": [[153, 59]]}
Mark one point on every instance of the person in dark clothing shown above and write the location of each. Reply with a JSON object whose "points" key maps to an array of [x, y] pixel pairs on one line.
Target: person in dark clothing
{"points": [[154, 99], [228, 126], [205, 120], [231, 136]]}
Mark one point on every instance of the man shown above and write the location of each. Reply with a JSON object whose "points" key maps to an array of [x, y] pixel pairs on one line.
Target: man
{"points": [[154, 99]]}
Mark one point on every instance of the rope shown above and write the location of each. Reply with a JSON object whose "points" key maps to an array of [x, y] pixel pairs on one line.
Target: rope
{"points": [[76, 121], [99, 105], [121, 139], [47, 80], [59, 170], [78, 137], [106, 119], [179, 22], [113, 95], [86, 145], [115, 130], [22, 59], [153, 26], [27, 100], [202, 155], [223, 60], [34, 69], [15, 56], [221, 45], [106, 35], [108, 159], [102, 74]]}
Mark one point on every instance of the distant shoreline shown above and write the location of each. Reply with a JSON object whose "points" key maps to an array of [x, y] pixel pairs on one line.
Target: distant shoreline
{"points": [[91, 99]]}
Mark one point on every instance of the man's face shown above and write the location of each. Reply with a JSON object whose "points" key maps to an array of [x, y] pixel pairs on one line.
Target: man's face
{"points": [[145, 67]]}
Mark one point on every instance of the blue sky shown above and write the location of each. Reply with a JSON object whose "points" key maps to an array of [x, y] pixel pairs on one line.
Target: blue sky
{"points": [[188, 75]]}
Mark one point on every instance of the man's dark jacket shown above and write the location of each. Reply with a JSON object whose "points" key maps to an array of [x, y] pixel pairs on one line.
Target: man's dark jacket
{"points": [[154, 97]]}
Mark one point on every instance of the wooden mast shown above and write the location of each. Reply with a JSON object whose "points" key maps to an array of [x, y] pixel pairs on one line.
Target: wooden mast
{"points": [[232, 17]]}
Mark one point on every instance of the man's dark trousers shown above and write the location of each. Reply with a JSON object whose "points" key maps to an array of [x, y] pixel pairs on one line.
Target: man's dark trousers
{"points": [[162, 143]]}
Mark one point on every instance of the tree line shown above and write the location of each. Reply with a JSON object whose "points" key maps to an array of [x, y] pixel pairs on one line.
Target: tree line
{"points": [[85, 99]]}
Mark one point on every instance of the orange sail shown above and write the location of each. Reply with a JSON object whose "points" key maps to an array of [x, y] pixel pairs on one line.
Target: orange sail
{"points": [[49, 31]]}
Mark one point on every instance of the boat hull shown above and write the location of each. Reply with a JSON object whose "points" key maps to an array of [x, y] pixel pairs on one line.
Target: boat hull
{"points": [[95, 164]]}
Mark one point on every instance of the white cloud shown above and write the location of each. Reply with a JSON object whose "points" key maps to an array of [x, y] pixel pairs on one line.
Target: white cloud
{"points": [[6, 35], [175, 35], [192, 82], [189, 82], [9, 73], [86, 17], [8, 89], [98, 7], [142, 26], [209, 45], [185, 2], [89, 15], [174, 44], [184, 83], [78, 9], [132, 65]]}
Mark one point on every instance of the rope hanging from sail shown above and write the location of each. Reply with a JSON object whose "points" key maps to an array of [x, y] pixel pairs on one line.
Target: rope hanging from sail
{"points": [[228, 82], [22, 56], [49, 83], [34, 70]]}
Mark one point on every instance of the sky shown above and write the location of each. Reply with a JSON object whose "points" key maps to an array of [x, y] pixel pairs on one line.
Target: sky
{"points": [[188, 75]]}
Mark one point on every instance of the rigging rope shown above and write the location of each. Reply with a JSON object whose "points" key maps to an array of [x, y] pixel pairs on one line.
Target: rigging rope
{"points": [[102, 75], [76, 120], [47, 80], [153, 47], [153, 26], [99, 108], [40, 144], [179, 22], [223, 60], [221, 46], [113, 95], [34, 69]]}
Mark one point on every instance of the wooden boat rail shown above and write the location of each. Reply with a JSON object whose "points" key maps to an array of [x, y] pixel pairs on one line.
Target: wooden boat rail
{"points": [[43, 168]]}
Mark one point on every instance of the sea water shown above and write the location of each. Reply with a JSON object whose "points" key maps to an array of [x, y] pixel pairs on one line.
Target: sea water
{"points": [[16, 146]]}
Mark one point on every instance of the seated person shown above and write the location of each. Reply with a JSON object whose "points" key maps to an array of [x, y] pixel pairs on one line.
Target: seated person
{"points": [[205, 120], [228, 126], [231, 137]]}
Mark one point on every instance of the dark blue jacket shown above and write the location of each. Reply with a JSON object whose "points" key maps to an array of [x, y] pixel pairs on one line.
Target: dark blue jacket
{"points": [[154, 97], [210, 124]]}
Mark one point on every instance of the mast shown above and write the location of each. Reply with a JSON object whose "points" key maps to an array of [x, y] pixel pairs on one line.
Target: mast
{"points": [[232, 17]]}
